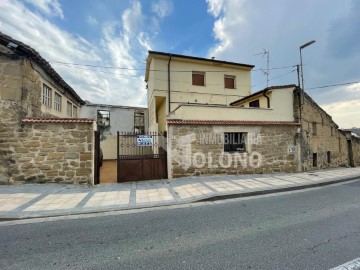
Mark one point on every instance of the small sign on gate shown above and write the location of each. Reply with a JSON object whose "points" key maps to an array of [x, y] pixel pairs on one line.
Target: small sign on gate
{"points": [[144, 140]]}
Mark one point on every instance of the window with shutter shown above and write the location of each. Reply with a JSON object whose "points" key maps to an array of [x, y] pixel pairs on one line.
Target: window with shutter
{"points": [[229, 82], [198, 78]]}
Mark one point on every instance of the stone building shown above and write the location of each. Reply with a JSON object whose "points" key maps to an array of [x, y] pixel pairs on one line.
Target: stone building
{"points": [[324, 145], [31, 88]]}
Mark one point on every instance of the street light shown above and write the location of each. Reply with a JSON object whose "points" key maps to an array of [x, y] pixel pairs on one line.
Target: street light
{"points": [[301, 65]]}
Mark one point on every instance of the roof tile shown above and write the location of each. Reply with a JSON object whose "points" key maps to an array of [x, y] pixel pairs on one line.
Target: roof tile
{"points": [[58, 120], [231, 122]]}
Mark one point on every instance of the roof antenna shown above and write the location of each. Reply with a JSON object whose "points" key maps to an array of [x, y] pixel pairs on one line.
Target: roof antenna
{"points": [[266, 72]]}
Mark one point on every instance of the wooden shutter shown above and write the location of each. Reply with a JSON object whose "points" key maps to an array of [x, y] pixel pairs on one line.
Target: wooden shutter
{"points": [[198, 78], [229, 82]]}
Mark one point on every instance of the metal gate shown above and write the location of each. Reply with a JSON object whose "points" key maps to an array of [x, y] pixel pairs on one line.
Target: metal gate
{"points": [[141, 156]]}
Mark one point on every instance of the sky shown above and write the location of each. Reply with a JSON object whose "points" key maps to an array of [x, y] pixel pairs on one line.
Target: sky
{"points": [[100, 47]]}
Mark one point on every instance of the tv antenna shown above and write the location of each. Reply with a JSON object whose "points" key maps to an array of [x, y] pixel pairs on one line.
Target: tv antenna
{"points": [[266, 72]]}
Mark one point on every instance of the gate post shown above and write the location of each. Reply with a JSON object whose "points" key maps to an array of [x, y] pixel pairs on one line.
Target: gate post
{"points": [[117, 157]]}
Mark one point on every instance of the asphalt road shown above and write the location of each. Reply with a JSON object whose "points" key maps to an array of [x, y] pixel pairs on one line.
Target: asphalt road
{"points": [[314, 229]]}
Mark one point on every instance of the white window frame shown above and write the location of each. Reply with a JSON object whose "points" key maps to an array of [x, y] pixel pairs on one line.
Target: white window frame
{"points": [[57, 102], [47, 95], [69, 106], [74, 111]]}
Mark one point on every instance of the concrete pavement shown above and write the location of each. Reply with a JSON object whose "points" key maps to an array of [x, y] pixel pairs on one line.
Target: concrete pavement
{"points": [[41, 200]]}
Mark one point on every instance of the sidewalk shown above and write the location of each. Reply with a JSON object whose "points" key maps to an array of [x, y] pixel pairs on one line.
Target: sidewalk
{"points": [[42, 200]]}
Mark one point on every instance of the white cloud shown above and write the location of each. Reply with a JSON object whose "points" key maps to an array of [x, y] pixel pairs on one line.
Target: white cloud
{"points": [[48, 7], [123, 43], [354, 88], [228, 24], [344, 113], [215, 7], [162, 8]]}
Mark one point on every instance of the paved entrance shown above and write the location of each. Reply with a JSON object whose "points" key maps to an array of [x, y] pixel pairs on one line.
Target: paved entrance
{"points": [[108, 172]]}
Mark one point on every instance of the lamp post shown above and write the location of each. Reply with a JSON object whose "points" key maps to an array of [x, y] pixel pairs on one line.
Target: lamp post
{"points": [[301, 65], [302, 98]]}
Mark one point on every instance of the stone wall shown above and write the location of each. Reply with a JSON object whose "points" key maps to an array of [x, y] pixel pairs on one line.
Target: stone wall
{"points": [[320, 135], [50, 152], [20, 92], [37, 152], [356, 150], [199, 150]]}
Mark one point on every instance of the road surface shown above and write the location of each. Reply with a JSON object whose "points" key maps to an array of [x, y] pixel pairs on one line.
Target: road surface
{"points": [[312, 229]]}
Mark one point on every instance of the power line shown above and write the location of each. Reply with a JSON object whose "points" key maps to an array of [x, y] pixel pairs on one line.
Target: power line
{"points": [[157, 70], [332, 85], [70, 65], [276, 77]]}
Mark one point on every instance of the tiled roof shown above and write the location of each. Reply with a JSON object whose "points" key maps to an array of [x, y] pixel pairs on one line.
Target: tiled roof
{"points": [[58, 120], [231, 122], [26, 50]]}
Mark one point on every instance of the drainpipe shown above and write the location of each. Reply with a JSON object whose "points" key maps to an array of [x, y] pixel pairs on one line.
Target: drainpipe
{"points": [[169, 83], [268, 99]]}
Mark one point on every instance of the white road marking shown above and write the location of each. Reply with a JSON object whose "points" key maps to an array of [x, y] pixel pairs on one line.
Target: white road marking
{"points": [[352, 265]]}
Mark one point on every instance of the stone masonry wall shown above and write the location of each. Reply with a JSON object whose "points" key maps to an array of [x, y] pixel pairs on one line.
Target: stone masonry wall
{"points": [[51, 152], [199, 150], [20, 97], [320, 135], [356, 150]]}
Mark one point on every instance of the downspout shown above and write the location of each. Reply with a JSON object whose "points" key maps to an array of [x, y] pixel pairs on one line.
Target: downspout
{"points": [[169, 83], [268, 99]]}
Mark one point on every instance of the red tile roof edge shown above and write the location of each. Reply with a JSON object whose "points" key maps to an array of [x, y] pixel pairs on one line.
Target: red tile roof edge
{"points": [[231, 122], [58, 120]]}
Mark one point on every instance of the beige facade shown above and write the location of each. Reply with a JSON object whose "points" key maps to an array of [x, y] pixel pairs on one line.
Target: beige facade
{"points": [[170, 83]]}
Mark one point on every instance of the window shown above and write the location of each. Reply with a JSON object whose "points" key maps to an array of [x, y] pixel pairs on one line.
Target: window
{"points": [[139, 122], [103, 118], [234, 142], [332, 131], [46, 96], [69, 109], [57, 102], [198, 78], [328, 157], [314, 129], [229, 82], [74, 112], [255, 104]]}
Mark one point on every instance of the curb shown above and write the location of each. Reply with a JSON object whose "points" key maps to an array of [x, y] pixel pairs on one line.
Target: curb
{"points": [[276, 190], [209, 199]]}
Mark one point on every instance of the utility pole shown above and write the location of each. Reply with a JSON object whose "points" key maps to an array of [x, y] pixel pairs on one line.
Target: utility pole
{"points": [[301, 64], [298, 73]]}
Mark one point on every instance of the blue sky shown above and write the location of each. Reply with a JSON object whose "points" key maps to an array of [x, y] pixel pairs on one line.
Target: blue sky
{"points": [[119, 33]]}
